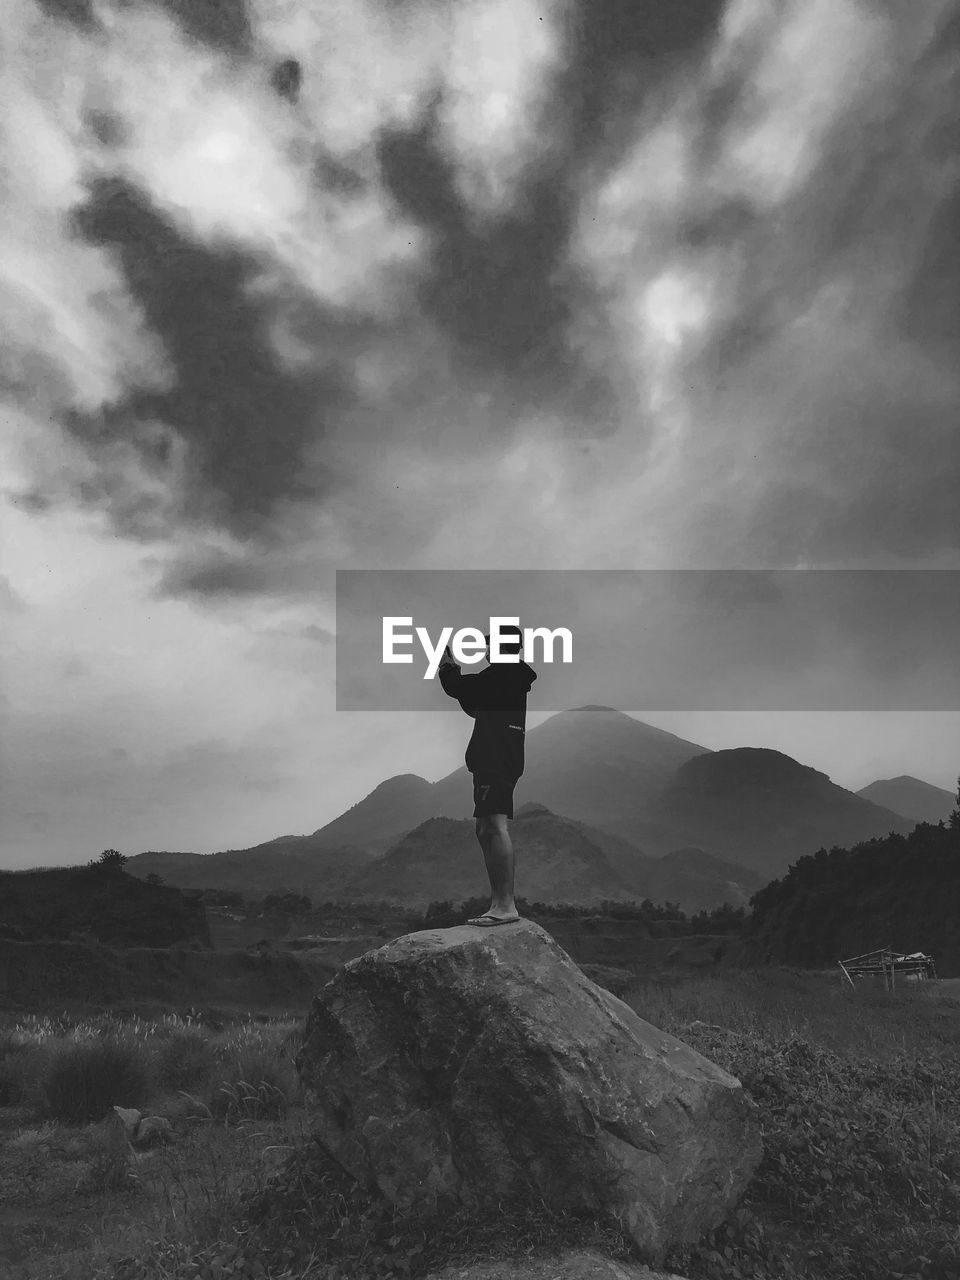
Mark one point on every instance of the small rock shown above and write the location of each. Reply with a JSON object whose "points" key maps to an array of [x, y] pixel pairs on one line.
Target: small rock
{"points": [[152, 1131]]}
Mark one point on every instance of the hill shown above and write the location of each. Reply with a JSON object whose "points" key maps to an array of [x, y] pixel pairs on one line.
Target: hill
{"points": [[911, 797], [440, 860], [700, 881], [377, 821], [759, 808], [593, 764], [902, 891], [695, 880], [115, 908], [594, 760], [289, 864], [635, 790], [558, 861]]}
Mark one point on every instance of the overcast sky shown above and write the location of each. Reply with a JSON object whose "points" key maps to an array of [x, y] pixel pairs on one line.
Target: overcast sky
{"points": [[581, 284]]}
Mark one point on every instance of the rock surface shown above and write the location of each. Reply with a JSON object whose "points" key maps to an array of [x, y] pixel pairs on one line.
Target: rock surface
{"points": [[144, 1131], [463, 1066]]}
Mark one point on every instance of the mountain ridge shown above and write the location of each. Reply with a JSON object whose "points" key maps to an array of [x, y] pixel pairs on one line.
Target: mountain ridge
{"points": [[760, 808], [639, 793], [911, 797]]}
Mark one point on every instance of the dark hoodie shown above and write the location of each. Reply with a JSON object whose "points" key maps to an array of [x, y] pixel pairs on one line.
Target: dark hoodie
{"points": [[497, 699]]}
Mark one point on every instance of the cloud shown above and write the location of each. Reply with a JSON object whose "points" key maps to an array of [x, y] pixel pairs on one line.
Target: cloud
{"points": [[750, 259], [73, 336], [597, 284], [221, 764], [11, 601], [682, 255], [506, 58]]}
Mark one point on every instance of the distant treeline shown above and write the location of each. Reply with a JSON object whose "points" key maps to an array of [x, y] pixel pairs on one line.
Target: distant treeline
{"points": [[723, 919], [898, 891], [439, 915]]}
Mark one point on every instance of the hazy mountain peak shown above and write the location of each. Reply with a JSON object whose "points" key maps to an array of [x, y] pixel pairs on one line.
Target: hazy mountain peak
{"points": [[914, 798], [404, 782], [392, 807], [759, 807], [533, 809], [594, 709], [606, 718]]}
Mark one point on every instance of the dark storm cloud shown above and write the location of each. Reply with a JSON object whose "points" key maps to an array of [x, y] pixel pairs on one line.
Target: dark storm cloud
{"points": [[216, 574], [79, 12], [489, 285], [621, 51], [495, 285], [222, 24], [247, 421], [730, 174], [930, 309], [833, 360]]}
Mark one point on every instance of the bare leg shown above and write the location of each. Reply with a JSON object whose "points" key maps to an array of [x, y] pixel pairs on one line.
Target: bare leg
{"points": [[497, 849]]}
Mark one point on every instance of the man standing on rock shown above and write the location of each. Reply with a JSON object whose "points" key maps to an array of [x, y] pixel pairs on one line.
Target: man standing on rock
{"points": [[496, 698]]}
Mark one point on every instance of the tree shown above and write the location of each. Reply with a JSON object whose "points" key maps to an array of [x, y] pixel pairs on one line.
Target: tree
{"points": [[153, 878], [109, 860], [955, 816]]}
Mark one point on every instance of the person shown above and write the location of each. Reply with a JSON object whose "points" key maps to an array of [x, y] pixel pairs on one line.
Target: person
{"points": [[496, 698]]}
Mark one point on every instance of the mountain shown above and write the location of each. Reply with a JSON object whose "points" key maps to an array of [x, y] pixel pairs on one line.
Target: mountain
{"points": [[318, 864], [558, 860], [692, 878], [593, 764], [441, 861], [759, 808], [382, 817], [700, 881], [911, 797], [637, 793]]}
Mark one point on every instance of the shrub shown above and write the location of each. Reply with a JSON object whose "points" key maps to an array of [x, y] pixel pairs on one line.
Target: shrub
{"points": [[21, 1066], [84, 1081], [184, 1059], [12, 1072]]}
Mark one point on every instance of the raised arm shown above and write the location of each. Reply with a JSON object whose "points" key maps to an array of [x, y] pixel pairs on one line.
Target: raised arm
{"points": [[456, 685]]}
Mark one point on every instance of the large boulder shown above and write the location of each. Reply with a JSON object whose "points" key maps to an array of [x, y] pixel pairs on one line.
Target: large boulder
{"points": [[464, 1066]]}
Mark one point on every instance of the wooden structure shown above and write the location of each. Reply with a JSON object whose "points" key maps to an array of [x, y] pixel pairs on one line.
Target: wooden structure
{"points": [[888, 964]]}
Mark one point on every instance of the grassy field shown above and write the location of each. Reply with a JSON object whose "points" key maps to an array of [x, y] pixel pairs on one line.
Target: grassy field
{"points": [[859, 1095]]}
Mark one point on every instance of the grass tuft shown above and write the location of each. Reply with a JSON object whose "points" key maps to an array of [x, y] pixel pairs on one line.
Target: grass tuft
{"points": [[85, 1081]]}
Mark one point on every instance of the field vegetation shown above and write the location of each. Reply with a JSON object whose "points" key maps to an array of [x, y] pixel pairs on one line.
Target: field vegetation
{"points": [[858, 1091]]}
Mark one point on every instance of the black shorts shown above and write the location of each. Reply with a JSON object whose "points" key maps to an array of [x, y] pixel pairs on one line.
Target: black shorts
{"points": [[492, 795]]}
